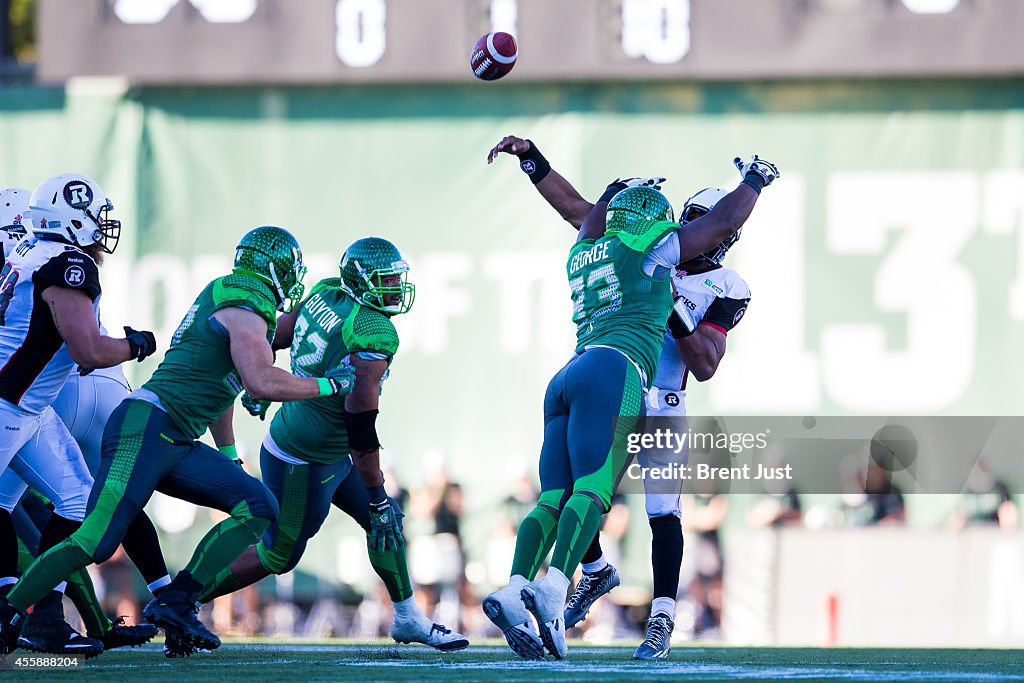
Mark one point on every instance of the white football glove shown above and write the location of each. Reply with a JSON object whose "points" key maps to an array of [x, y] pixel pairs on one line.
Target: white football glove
{"points": [[766, 169], [641, 182]]}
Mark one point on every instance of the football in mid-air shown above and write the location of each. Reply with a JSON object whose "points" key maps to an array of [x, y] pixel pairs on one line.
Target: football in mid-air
{"points": [[493, 56]]}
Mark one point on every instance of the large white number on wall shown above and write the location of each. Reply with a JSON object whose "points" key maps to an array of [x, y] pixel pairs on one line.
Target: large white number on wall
{"points": [[930, 6], [503, 16], [360, 38], [226, 11], [919, 276], [1002, 202], [143, 11], [768, 363], [656, 30]]}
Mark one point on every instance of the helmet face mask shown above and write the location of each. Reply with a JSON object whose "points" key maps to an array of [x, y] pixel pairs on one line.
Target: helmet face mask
{"points": [[272, 255], [73, 208], [699, 205], [374, 273]]}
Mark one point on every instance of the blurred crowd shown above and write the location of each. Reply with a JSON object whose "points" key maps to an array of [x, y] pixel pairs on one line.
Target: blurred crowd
{"points": [[450, 578]]}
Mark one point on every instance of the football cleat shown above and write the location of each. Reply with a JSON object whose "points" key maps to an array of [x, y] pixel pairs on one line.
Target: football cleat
{"points": [[505, 609], [56, 637], [545, 599], [175, 646], [423, 631], [177, 615], [121, 635], [588, 590], [659, 638], [11, 622]]}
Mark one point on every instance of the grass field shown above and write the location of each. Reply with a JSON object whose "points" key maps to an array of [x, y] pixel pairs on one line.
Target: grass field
{"points": [[298, 662]]}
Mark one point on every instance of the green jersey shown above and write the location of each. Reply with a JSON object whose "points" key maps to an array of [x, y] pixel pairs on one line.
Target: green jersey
{"points": [[197, 380], [615, 303], [330, 327]]}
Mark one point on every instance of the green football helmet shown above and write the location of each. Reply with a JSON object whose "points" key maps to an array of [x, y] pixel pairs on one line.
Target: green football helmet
{"points": [[364, 267], [273, 256], [634, 209]]}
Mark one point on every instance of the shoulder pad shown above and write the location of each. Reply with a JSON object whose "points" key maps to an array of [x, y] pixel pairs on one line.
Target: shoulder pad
{"points": [[245, 291], [367, 329], [647, 239]]}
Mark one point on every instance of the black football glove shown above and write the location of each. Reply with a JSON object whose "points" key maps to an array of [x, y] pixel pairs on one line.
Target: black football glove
{"points": [[142, 343]]}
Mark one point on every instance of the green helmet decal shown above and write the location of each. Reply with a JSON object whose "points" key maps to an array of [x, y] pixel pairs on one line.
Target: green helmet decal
{"points": [[365, 266], [272, 255], [634, 209]]}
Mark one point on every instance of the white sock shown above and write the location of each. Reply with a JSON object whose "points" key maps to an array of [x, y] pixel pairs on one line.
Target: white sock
{"points": [[664, 606], [595, 566], [8, 580], [517, 581], [60, 587], [556, 575], [159, 583], [406, 609]]}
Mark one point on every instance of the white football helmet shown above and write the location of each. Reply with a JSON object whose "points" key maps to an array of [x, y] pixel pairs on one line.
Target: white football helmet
{"points": [[73, 208], [698, 205], [13, 218]]}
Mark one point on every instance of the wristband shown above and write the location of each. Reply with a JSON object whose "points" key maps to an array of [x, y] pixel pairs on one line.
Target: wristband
{"points": [[230, 451], [677, 327], [754, 181], [534, 164], [377, 493], [326, 388]]}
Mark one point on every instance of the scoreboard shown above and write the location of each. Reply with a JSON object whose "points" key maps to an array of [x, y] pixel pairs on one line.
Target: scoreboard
{"points": [[425, 41]]}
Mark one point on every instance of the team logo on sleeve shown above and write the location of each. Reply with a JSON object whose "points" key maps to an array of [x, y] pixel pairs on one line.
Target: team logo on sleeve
{"points": [[739, 314], [528, 166], [78, 194], [75, 276]]}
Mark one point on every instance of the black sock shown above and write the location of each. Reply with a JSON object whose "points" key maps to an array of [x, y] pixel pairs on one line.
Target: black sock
{"points": [[57, 529], [143, 548], [594, 552], [666, 554], [8, 546], [50, 607], [184, 583]]}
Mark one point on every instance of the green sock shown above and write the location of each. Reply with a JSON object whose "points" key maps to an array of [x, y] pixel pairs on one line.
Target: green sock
{"points": [[223, 543], [533, 541], [83, 595], [579, 521], [393, 570], [47, 571]]}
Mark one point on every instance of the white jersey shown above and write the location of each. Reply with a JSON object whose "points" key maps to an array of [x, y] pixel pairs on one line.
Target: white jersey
{"points": [[34, 360], [716, 297]]}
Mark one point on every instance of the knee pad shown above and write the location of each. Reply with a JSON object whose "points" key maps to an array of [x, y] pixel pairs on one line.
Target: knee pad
{"points": [[603, 500], [552, 501]]}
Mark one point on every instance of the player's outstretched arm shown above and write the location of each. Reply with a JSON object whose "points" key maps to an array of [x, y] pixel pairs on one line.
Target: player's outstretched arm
{"points": [[75, 319], [555, 189], [730, 213], [254, 360]]}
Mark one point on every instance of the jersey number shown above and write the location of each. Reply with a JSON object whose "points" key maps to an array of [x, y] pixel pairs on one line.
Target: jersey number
{"points": [[312, 357], [8, 278], [609, 297]]}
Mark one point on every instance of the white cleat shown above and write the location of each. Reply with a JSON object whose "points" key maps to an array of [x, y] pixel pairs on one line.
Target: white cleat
{"points": [[428, 633], [505, 609], [545, 599]]}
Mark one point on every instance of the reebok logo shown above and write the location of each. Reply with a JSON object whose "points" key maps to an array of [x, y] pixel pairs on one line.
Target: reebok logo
{"points": [[12, 429]]}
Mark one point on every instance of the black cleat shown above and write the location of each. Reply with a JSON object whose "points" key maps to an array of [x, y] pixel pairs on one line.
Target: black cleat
{"points": [[11, 622], [588, 590], [175, 647], [121, 635], [659, 638], [177, 616], [56, 637]]}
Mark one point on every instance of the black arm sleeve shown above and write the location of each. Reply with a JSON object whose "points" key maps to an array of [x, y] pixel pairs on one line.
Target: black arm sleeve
{"points": [[725, 312]]}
